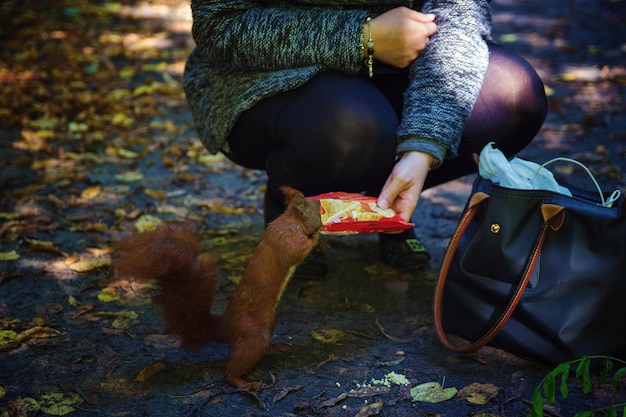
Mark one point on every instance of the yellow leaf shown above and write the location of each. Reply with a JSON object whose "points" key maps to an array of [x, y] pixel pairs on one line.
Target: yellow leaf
{"points": [[122, 323], [175, 210], [122, 119], [86, 265], [208, 159], [508, 38], [432, 392], [149, 371], [91, 192], [58, 404], [147, 223], [45, 134], [127, 153], [548, 90], [9, 256], [75, 127], [108, 295], [7, 336], [168, 162], [222, 209], [155, 67], [126, 73], [37, 332], [568, 76], [72, 301], [130, 176], [119, 94], [476, 393], [159, 194], [42, 246], [142, 89], [328, 335], [2, 392]]}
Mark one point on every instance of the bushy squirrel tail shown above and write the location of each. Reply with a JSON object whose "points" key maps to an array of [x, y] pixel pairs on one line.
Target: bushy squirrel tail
{"points": [[187, 281]]}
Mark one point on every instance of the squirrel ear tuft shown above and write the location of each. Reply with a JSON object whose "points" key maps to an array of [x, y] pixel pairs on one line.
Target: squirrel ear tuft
{"points": [[290, 193]]}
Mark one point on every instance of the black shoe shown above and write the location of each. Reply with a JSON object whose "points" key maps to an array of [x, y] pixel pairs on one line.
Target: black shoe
{"points": [[403, 251]]}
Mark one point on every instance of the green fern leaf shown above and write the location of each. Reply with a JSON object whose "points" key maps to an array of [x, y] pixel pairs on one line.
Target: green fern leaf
{"points": [[582, 374], [608, 365], [620, 374]]}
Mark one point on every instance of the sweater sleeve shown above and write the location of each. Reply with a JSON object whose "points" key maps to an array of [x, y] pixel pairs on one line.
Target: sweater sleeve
{"points": [[446, 78], [243, 35]]}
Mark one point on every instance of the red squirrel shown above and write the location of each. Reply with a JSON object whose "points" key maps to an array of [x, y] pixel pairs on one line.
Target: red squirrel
{"points": [[188, 282]]}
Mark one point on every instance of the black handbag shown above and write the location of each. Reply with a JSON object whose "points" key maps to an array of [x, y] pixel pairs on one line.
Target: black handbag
{"points": [[536, 273]]}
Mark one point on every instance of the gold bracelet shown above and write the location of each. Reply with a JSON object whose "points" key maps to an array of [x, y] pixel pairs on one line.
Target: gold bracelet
{"points": [[370, 49]]}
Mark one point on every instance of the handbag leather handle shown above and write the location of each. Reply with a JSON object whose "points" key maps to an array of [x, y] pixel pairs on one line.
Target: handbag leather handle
{"points": [[553, 215]]}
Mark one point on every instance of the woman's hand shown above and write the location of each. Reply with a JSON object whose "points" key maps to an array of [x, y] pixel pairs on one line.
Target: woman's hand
{"points": [[405, 183], [400, 35]]}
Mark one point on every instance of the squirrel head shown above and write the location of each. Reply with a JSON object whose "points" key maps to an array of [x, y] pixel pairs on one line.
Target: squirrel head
{"points": [[307, 210]]}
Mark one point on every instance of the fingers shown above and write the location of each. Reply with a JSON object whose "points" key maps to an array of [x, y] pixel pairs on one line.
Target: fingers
{"points": [[388, 194], [403, 187], [424, 17]]}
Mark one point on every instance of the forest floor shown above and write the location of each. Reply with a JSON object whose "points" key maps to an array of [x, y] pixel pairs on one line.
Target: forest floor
{"points": [[96, 137]]}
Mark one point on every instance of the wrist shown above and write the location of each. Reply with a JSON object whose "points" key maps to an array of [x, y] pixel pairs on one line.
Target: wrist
{"points": [[422, 159]]}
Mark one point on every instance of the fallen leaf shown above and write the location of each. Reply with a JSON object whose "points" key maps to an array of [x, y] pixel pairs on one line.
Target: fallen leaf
{"points": [[7, 336], [149, 371], [108, 295], [364, 392], [90, 264], [58, 404], [162, 341], [130, 176], [508, 38], [328, 335], [372, 409], [432, 392], [476, 393], [387, 335], [24, 407], [43, 246], [147, 223], [9, 256], [91, 192], [127, 153], [158, 194], [282, 394]]}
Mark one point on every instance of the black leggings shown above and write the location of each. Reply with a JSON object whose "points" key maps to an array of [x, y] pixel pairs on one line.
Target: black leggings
{"points": [[338, 132]]}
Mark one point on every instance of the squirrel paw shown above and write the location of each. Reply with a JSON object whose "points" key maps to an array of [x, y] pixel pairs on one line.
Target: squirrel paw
{"points": [[246, 385]]}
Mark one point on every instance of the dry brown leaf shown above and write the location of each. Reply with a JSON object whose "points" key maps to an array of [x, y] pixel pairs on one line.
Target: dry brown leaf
{"points": [[149, 371], [91, 192], [329, 335], [477, 393], [372, 409]]}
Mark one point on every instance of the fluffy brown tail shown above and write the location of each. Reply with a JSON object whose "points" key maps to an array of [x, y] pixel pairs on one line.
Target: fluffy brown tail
{"points": [[169, 254]]}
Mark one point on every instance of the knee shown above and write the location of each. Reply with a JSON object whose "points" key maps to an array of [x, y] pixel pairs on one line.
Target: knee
{"points": [[515, 87], [511, 105]]}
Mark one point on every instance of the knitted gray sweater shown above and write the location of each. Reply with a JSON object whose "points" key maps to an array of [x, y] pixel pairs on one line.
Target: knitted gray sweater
{"points": [[247, 50]]}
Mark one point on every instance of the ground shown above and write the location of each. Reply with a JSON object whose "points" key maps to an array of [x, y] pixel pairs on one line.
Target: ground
{"points": [[96, 137]]}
